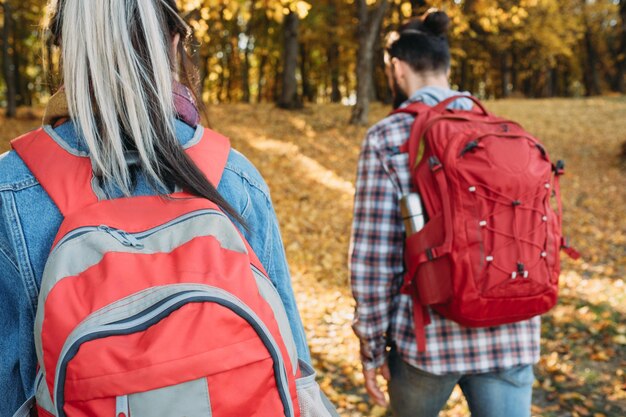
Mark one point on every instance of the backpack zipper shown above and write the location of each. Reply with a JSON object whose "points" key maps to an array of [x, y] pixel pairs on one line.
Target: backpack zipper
{"points": [[131, 239], [88, 331], [123, 237]]}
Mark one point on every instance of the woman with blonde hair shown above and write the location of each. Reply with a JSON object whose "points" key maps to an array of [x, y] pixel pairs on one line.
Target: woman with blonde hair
{"points": [[121, 127]]}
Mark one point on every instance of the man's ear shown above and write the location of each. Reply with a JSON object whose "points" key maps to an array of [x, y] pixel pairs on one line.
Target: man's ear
{"points": [[399, 68]]}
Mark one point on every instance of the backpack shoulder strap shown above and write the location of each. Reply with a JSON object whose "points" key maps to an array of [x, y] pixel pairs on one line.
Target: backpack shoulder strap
{"points": [[67, 175], [210, 154], [412, 109]]}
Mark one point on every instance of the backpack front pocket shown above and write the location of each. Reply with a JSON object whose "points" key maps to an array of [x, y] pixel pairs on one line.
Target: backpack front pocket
{"points": [[188, 399], [171, 340]]}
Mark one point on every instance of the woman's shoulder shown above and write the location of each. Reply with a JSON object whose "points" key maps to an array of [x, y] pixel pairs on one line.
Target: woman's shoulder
{"points": [[244, 188], [14, 174], [239, 168]]}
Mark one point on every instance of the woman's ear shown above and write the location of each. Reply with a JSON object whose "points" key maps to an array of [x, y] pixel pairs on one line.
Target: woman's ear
{"points": [[175, 42], [174, 55]]}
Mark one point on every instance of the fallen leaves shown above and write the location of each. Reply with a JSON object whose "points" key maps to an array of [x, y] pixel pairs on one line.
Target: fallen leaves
{"points": [[309, 160]]}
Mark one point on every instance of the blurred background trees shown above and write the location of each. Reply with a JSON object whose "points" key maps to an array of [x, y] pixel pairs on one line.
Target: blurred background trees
{"points": [[293, 52]]}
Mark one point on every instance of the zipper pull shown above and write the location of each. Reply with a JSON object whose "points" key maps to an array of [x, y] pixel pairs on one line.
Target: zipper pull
{"points": [[121, 406], [123, 237]]}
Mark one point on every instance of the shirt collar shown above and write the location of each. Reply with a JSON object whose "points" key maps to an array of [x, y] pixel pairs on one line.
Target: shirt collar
{"points": [[431, 96]]}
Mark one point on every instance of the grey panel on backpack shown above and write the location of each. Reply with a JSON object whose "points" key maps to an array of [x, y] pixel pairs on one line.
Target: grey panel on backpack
{"points": [[44, 400], [190, 399], [271, 296], [88, 250]]}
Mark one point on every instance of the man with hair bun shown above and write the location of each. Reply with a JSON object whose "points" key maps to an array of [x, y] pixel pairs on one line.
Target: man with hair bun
{"points": [[493, 365]]}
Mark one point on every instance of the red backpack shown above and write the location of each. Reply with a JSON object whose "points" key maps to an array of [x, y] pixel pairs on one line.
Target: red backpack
{"points": [[489, 253], [153, 306]]}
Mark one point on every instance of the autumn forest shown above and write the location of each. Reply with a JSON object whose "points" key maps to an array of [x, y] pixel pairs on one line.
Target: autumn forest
{"points": [[296, 83], [293, 52]]}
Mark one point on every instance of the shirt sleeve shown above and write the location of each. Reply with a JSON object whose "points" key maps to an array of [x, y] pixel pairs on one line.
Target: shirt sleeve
{"points": [[376, 263]]}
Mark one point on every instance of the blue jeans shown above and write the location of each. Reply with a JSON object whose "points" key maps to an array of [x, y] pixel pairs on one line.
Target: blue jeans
{"points": [[415, 393]]}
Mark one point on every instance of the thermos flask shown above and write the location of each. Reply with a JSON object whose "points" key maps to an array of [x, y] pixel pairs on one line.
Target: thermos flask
{"points": [[412, 213], [431, 279]]}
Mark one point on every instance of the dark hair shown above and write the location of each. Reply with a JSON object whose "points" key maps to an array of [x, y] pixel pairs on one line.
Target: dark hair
{"points": [[174, 167], [423, 43]]}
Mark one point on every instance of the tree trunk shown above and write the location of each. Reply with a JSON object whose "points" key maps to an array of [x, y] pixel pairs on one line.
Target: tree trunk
{"points": [[245, 74], [590, 68], [261, 83], [368, 30], [8, 66], [221, 95], [552, 87], [289, 95], [276, 80], [333, 56], [308, 91], [382, 93], [505, 75], [381, 83], [228, 70], [620, 83], [528, 86], [333, 63], [514, 72], [24, 97]]}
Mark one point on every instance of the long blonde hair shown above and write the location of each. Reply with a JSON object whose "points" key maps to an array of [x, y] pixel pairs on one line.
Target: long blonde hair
{"points": [[118, 75]]}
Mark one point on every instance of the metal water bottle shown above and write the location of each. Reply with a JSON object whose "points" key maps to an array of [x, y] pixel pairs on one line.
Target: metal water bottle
{"points": [[412, 212], [432, 278]]}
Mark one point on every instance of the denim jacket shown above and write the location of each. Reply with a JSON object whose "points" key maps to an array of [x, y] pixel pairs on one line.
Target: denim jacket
{"points": [[29, 221]]}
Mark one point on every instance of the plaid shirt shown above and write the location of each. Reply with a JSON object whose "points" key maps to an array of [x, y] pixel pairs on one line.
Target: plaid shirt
{"points": [[382, 314]]}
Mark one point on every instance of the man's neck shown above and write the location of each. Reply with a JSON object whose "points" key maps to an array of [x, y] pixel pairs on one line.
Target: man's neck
{"points": [[420, 81]]}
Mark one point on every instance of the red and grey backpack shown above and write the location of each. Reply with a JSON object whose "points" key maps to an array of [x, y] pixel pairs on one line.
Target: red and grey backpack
{"points": [[489, 253], [153, 306]]}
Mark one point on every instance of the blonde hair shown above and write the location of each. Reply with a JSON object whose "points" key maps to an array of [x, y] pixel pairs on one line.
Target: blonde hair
{"points": [[105, 70], [118, 69]]}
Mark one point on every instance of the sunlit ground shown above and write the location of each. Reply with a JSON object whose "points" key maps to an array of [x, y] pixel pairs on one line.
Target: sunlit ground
{"points": [[309, 160]]}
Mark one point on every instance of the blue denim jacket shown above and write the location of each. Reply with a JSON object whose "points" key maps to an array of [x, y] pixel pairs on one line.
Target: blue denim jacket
{"points": [[29, 221]]}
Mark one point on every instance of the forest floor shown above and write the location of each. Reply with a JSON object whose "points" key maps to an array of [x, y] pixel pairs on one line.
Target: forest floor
{"points": [[309, 160]]}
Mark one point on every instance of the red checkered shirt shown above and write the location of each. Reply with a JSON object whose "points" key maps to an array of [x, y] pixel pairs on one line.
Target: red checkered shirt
{"points": [[383, 315]]}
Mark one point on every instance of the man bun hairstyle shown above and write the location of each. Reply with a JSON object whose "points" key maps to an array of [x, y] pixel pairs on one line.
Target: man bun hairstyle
{"points": [[423, 43], [437, 23]]}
